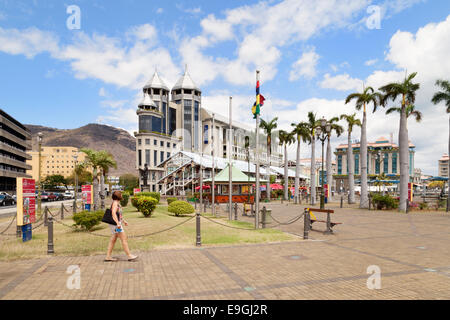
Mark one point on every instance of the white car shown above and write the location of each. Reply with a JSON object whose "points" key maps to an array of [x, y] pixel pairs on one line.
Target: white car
{"points": [[69, 195]]}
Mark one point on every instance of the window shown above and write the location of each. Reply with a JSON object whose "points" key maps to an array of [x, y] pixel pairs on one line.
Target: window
{"points": [[162, 156], [386, 163], [147, 141], [161, 143], [340, 164], [168, 155], [188, 124], [394, 163], [147, 157], [357, 163], [140, 158], [139, 142], [172, 120], [155, 142], [168, 144], [174, 145], [155, 158]]}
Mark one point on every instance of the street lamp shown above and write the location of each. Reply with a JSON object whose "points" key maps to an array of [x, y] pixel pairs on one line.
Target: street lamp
{"points": [[75, 158], [380, 158], [322, 135], [39, 173]]}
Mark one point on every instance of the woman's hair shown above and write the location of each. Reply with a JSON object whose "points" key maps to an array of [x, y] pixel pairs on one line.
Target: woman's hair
{"points": [[117, 195]]}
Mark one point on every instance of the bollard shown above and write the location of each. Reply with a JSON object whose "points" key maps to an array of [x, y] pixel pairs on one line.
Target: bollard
{"points": [[74, 207], [307, 224], [370, 203], [45, 217], [195, 204], [204, 207], [62, 211], [50, 249], [329, 230], [199, 238], [235, 210], [263, 218], [407, 205], [342, 201], [251, 210]]}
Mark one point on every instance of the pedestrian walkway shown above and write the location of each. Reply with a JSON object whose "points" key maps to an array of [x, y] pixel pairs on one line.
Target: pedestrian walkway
{"points": [[412, 252]]}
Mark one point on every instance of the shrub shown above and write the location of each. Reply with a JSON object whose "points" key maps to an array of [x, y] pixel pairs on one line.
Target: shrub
{"points": [[180, 208], [155, 195], [423, 205], [87, 220], [146, 205], [125, 197], [170, 200], [134, 202], [384, 202]]}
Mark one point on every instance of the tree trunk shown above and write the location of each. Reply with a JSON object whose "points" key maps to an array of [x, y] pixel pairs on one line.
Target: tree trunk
{"points": [[297, 172], [102, 191], [268, 182], [95, 186], [404, 159], [350, 170], [329, 171], [313, 170], [286, 176], [448, 170], [364, 199]]}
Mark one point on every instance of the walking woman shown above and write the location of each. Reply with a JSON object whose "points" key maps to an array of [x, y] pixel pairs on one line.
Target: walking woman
{"points": [[117, 230]]}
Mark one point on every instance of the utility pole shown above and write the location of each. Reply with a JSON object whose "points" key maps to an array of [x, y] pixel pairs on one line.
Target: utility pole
{"points": [[230, 176]]}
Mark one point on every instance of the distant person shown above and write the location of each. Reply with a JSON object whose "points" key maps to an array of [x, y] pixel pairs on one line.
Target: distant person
{"points": [[117, 230]]}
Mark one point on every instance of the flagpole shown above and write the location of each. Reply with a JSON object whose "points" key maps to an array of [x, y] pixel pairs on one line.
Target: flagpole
{"points": [[213, 194], [230, 174], [257, 163]]}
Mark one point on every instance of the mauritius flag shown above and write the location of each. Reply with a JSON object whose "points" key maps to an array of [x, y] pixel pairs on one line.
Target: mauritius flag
{"points": [[256, 109]]}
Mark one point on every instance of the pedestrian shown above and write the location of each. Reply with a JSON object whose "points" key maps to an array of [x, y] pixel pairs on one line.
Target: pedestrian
{"points": [[117, 230]]}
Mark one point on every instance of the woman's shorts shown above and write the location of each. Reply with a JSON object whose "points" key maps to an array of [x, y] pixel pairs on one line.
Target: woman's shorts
{"points": [[113, 229]]}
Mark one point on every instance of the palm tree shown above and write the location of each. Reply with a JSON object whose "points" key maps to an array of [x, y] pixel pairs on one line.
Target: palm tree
{"points": [[313, 124], [285, 138], [301, 131], [410, 111], [92, 161], [339, 130], [105, 162], [268, 128], [444, 96], [407, 91], [351, 122], [362, 101]]}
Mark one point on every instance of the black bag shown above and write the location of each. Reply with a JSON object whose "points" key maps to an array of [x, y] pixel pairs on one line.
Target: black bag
{"points": [[107, 217]]}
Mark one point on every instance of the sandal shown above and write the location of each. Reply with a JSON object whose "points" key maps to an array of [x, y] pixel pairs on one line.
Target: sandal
{"points": [[111, 260], [132, 259]]}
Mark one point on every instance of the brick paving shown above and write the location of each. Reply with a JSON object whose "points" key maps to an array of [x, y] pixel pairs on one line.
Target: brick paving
{"points": [[411, 250]]}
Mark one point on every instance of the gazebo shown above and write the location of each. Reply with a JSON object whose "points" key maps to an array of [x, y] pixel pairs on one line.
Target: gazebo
{"points": [[241, 184]]}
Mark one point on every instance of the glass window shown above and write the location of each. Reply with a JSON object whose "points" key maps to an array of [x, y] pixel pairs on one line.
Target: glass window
{"points": [[394, 163], [139, 142], [140, 158], [164, 111], [172, 120], [161, 143], [356, 163], [196, 124], [187, 124], [162, 156], [339, 164], [168, 155], [147, 157], [155, 158], [155, 142], [386, 163], [147, 141]]}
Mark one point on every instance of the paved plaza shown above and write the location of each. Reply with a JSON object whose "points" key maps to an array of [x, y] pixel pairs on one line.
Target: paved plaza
{"points": [[412, 251]]}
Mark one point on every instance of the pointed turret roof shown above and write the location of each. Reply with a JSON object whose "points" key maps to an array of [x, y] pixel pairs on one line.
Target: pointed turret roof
{"points": [[185, 82], [156, 82], [147, 101]]}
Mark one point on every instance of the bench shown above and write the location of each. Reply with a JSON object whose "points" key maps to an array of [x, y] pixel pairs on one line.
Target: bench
{"points": [[313, 219]]}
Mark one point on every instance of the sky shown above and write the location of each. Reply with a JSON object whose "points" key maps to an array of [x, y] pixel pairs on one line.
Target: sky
{"points": [[65, 64]]}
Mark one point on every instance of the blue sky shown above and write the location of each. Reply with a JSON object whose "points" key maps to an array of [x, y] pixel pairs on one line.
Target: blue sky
{"points": [[311, 54]]}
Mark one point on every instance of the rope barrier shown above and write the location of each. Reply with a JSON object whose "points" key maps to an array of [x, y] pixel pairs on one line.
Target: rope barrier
{"points": [[224, 225], [3, 232], [288, 222]]}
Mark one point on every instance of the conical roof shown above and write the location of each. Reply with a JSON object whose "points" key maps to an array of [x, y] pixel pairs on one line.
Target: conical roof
{"points": [[237, 176], [147, 101], [156, 82], [185, 82]]}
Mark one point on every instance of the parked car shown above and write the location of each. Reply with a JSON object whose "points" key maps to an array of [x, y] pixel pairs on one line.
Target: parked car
{"points": [[7, 200], [59, 196], [46, 196], [69, 195]]}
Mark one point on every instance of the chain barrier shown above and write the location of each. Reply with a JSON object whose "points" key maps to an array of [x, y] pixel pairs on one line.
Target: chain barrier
{"points": [[293, 220], [132, 236], [3, 232], [224, 225]]}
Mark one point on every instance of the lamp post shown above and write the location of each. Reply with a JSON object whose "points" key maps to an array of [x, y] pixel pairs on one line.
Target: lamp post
{"points": [[322, 135], [380, 158], [39, 173], [75, 158]]}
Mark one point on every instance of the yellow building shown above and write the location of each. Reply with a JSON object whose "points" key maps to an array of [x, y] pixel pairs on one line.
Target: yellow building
{"points": [[54, 160]]}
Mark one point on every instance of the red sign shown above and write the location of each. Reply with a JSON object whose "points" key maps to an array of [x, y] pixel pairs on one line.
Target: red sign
{"points": [[236, 198], [410, 192], [86, 192], [26, 201], [136, 190], [325, 188]]}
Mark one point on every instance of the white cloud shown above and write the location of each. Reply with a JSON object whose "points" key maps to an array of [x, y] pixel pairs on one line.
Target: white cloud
{"points": [[342, 82], [159, 10], [370, 62], [102, 92], [305, 66]]}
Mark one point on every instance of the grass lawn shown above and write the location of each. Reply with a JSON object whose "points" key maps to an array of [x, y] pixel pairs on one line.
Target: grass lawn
{"points": [[70, 242]]}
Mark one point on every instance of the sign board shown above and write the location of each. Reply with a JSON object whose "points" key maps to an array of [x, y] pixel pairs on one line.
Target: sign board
{"points": [[27, 232], [87, 192], [26, 201], [324, 177], [136, 190], [205, 134], [410, 191], [326, 191]]}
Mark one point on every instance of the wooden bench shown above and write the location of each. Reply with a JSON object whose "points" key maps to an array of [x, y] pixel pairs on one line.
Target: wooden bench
{"points": [[313, 218]]}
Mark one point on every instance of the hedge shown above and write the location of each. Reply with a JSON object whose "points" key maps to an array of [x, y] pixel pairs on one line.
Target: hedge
{"points": [[170, 200], [125, 197], [155, 195], [86, 220], [180, 208], [384, 202]]}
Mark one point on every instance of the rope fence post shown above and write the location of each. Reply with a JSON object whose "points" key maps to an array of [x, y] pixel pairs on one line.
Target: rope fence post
{"points": [[50, 246], [74, 207], [235, 210], [46, 217], [342, 202], [263, 218], [306, 225], [62, 211], [199, 238], [329, 230], [18, 232], [370, 202], [251, 210]]}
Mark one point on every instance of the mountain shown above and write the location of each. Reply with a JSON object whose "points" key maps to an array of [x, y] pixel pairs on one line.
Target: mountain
{"points": [[93, 136]]}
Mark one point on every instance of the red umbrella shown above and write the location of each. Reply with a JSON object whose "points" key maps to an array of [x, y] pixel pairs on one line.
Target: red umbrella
{"points": [[205, 187], [276, 186]]}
